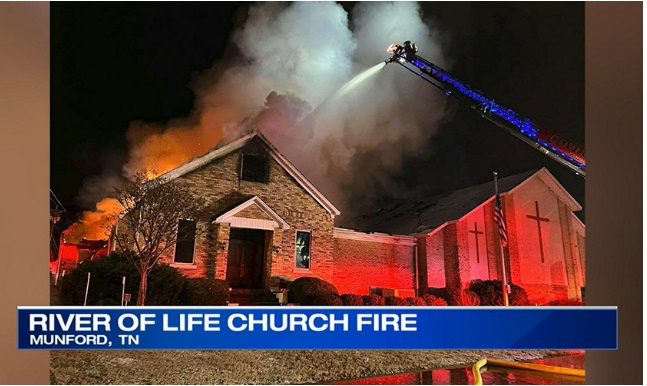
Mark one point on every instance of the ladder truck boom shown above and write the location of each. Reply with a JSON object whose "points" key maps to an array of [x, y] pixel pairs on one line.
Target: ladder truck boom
{"points": [[552, 144]]}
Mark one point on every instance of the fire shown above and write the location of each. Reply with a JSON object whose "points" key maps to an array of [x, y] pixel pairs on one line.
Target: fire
{"points": [[163, 149], [94, 225], [154, 151]]}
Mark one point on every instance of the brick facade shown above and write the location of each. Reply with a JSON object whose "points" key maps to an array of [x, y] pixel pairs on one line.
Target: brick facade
{"points": [[449, 256], [220, 184], [363, 264]]}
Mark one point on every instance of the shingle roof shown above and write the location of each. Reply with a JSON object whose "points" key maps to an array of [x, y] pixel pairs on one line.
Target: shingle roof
{"points": [[430, 213]]}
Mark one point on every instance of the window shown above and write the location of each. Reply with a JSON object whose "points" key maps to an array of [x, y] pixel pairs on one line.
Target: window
{"points": [[303, 250], [185, 242], [254, 168]]}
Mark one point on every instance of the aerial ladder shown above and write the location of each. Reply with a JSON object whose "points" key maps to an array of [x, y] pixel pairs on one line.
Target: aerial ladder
{"points": [[551, 144]]}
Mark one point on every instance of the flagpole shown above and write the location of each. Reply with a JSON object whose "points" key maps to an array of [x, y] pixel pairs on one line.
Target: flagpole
{"points": [[504, 281]]}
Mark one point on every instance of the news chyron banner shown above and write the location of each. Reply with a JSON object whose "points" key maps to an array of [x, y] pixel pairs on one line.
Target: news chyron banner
{"points": [[313, 328]]}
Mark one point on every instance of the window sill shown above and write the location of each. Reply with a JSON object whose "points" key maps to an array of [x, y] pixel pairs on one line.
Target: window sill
{"points": [[184, 265], [302, 270]]}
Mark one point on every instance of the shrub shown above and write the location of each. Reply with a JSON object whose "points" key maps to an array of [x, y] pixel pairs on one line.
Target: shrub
{"points": [[373, 300], [305, 286], [395, 301], [431, 300], [442, 293], [352, 300], [490, 293], [165, 286], [416, 301], [164, 283], [322, 300], [205, 292], [470, 298], [565, 302]]}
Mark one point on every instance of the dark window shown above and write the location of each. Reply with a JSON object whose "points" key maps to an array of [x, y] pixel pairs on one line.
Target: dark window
{"points": [[254, 168], [303, 250], [185, 241]]}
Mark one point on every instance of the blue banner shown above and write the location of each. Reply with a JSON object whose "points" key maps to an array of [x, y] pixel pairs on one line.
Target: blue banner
{"points": [[317, 328]]}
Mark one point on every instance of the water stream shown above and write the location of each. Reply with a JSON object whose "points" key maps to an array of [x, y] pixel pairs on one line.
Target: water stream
{"points": [[345, 89]]}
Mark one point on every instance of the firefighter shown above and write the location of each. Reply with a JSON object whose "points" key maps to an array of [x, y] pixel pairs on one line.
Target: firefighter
{"points": [[410, 49]]}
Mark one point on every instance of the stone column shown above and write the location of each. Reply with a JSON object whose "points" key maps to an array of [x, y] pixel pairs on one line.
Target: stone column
{"points": [[221, 254], [271, 256], [212, 250]]}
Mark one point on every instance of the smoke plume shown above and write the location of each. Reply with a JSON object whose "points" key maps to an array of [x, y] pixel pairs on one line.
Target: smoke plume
{"points": [[289, 62]]}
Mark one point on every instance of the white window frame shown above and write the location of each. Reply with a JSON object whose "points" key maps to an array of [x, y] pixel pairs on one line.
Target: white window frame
{"points": [[310, 250]]}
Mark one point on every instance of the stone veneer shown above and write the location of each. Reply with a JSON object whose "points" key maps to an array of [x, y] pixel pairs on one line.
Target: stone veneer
{"points": [[219, 183]]}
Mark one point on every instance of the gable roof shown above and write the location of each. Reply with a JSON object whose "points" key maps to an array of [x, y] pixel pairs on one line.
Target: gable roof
{"points": [[231, 216], [231, 147], [433, 213]]}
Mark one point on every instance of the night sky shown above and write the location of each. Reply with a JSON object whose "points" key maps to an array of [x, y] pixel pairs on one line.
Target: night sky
{"points": [[113, 63]]}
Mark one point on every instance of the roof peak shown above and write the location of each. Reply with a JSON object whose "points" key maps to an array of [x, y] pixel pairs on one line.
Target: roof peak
{"points": [[232, 146]]}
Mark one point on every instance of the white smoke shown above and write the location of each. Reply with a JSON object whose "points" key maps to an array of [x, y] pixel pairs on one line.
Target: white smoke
{"points": [[288, 60], [351, 143]]}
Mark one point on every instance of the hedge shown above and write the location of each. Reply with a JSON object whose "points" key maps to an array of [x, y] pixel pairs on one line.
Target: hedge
{"points": [[322, 300], [490, 293], [416, 301], [205, 292], [352, 300], [373, 300], [431, 300], [309, 286], [165, 283], [395, 301]]}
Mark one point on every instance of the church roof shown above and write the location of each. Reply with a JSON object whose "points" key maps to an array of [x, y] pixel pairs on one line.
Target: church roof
{"points": [[434, 212], [231, 147]]}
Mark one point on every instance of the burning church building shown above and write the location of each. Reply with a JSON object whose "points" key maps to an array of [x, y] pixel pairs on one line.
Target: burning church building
{"points": [[266, 222]]}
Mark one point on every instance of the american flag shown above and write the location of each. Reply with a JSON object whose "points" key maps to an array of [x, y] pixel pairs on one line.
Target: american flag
{"points": [[500, 220]]}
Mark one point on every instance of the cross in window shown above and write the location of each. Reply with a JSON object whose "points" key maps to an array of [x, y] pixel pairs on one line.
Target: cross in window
{"points": [[476, 237], [539, 220]]}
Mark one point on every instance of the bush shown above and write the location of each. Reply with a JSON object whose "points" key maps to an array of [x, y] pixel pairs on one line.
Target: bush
{"points": [[164, 283], [322, 300], [470, 298], [565, 302], [306, 286], [416, 301], [441, 293], [431, 300], [490, 293], [373, 300], [205, 292], [352, 300], [165, 286], [395, 301]]}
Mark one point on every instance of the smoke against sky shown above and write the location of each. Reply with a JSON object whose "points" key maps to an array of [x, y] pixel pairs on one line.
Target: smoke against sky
{"points": [[292, 58]]}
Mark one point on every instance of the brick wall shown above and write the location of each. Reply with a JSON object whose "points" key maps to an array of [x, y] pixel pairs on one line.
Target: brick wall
{"points": [[218, 182], [362, 264], [435, 250]]}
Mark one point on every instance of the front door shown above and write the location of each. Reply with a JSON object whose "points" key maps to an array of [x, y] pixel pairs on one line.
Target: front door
{"points": [[246, 257]]}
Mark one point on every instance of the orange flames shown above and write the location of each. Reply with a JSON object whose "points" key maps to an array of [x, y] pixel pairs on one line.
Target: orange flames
{"points": [[164, 149], [94, 225], [156, 151]]}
